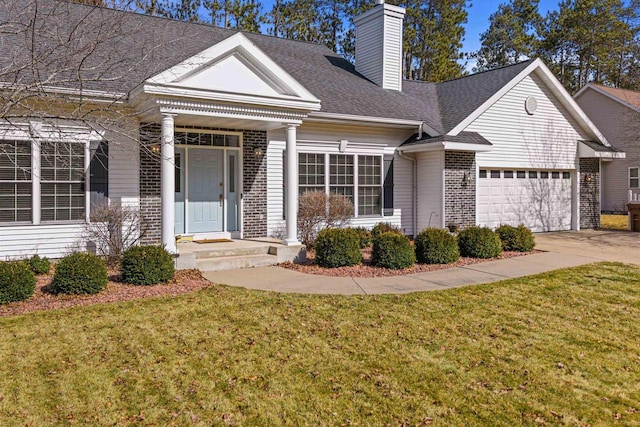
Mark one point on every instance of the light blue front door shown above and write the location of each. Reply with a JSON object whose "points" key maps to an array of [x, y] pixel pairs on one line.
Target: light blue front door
{"points": [[205, 190]]}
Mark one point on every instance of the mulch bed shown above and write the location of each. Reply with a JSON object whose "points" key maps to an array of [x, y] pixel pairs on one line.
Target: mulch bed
{"points": [[184, 281], [367, 270]]}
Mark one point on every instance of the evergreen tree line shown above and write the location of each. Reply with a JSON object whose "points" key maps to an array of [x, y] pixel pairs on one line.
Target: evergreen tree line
{"points": [[582, 41]]}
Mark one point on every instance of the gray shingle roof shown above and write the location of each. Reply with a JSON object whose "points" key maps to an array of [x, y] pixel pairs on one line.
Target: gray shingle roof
{"points": [[127, 48], [596, 146]]}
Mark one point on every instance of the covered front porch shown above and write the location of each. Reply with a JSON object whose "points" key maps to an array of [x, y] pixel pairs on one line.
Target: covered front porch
{"points": [[214, 111]]}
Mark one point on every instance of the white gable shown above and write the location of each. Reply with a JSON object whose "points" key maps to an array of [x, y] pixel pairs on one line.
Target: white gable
{"points": [[233, 70], [232, 74]]}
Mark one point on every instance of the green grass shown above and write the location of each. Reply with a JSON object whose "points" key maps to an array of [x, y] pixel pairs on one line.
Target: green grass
{"points": [[559, 348], [614, 222]]}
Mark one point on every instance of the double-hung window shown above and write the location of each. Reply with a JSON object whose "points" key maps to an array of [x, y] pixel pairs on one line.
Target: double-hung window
{"points": [[62, 182], [311, 172], [15, 181], [634, 178], [357, 177], [341, 178]]}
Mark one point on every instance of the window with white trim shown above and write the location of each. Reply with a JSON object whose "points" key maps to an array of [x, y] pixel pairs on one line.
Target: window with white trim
{"points": [[634, 178], [343, 174], [369, 185], [62, 181], [15, 181]]}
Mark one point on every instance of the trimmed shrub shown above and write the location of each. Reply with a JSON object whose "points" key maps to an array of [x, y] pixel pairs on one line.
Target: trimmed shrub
{"points": [[518, 239], [146, 265], [17, 281], [80, 273], [392, 250], [39, 265], [365, 236], [338, 247], [479, 242], [436, 246], [384, 227]]}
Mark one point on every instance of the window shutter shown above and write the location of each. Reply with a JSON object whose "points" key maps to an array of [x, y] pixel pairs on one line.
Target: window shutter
{"points": [[99, 174], [388, 186]]}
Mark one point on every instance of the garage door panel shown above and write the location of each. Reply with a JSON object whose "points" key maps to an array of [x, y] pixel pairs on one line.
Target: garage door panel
{"points": [[539, 201]]}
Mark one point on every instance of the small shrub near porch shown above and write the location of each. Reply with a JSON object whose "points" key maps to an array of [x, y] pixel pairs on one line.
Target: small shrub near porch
{"points": [[338, 247], [17, 281], [479, 242], [518, 239], [392, 250], [147, 265], [384, 227], [80, 273], [436, 246], [39, 265]]}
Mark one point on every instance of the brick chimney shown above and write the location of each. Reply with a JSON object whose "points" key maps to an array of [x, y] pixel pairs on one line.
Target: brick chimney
{"points": [[379, 45]]}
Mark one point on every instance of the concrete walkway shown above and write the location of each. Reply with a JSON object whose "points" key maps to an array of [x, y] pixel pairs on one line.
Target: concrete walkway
{"points": [[565, 249]]}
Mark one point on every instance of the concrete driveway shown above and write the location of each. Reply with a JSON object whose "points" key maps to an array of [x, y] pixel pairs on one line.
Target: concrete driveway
{"points": [[601, 245]]}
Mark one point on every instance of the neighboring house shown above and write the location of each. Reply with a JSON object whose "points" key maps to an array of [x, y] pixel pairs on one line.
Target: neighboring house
{"points": [[616, 112], [232, 127]]}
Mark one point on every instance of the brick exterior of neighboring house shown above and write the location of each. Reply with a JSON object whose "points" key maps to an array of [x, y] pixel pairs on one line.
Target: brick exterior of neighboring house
{"points": [[460, 195], [254, 183], [589, 193]]}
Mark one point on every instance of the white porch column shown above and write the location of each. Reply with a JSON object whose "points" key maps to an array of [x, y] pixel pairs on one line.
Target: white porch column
{"points": [[292, 187], [167, 179]]}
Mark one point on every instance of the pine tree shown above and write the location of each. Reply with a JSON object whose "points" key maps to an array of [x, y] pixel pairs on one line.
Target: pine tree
{"points": [[591, 40], [512, 35]]}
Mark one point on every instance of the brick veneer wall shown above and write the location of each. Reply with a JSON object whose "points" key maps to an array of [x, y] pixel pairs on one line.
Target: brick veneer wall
{"points": [[459, 196], [589, 194], [254, 183], [150, 202]]}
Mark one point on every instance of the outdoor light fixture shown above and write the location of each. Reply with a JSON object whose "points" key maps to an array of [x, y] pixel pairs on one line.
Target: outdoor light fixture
{"points": [[155, 148], [257, 151], [466, 178], [588, 177]]}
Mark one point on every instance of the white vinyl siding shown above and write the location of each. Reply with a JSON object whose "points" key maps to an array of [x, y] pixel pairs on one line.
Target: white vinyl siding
{"points": [[403, 192], [369, 49], [392, 73], [617, 123], [430, 190], [546, 140]]}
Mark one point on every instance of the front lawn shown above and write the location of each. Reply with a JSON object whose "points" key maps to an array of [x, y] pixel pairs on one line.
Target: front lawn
{"points": [[614, 222], [558, 348]]}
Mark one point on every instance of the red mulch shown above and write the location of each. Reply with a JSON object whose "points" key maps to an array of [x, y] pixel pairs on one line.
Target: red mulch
{"points": [[184, 281], [367, 270]]}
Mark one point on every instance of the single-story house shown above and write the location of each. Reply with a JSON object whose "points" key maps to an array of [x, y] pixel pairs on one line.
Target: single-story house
{"points": [[230, 127], [616, 112]]}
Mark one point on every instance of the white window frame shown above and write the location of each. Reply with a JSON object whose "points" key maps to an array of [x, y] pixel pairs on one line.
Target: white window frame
{"points": [[637, 177], [15, 181], [36, 132], [355, 156]]}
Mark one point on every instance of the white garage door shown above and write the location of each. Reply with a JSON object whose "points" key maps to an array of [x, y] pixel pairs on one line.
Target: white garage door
{"points": [[539, 199]]}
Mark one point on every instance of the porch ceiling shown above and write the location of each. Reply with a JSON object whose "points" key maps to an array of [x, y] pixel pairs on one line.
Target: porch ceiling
{"points": [[225, 123]]}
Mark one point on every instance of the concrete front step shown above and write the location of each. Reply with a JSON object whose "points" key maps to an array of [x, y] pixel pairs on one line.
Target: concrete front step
{"points": [[237, 261], [237, 251]]}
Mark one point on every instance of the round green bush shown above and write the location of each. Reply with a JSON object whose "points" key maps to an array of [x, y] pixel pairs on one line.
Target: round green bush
{"points": [[392, 250], [479, 242], [338, 247], [39, 265], [17, 281], [365, 236], [436, 246], [384, 227], [147, 265], [80, 273], [518, 239]]}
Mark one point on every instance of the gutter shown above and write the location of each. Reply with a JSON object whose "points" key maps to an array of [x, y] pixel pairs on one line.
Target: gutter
{"points": [[319, 116]]}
